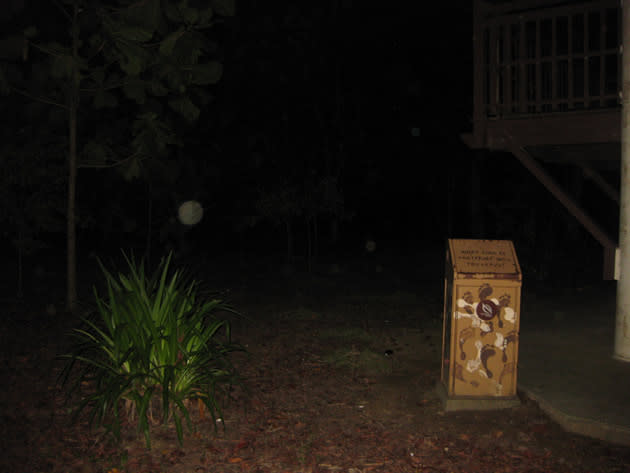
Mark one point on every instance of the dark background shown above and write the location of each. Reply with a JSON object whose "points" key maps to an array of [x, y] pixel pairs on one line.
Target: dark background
{"points": [[369, 96]]}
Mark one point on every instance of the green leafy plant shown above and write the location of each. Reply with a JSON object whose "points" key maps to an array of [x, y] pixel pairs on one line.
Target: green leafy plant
{"points": [[154, 346]]}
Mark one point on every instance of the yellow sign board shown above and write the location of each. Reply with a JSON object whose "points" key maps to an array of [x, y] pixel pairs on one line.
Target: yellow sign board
{"points": [[484, 258], [482, 290]]}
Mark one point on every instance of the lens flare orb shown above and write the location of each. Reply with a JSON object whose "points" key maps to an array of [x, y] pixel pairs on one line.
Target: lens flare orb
{"points": [[190, 213]]}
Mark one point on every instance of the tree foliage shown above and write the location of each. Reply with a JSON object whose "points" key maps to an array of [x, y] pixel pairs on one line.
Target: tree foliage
{"points": [[125, 73]]}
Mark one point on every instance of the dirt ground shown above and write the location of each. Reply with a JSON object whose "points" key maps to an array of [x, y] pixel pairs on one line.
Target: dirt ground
{"points": [[341, 372]]}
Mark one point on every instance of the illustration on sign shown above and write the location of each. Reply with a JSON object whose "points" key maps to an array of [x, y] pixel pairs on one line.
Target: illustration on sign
{"points": [[483, 343]]}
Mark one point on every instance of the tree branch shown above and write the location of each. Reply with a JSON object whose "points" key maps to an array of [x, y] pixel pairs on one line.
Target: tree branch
{"points": [[39, 99], [63, 11], [108, 166], [46, 50]]}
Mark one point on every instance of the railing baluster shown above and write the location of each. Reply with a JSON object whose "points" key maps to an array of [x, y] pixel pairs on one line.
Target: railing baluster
{"points": [[550, 60]]}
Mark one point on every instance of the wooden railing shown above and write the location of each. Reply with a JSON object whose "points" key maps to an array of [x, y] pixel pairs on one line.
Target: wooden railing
{"points": [[539, 57]]}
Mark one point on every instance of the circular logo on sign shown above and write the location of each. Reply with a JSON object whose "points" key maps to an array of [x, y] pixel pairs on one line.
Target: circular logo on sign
{"points": [[486, 310]]}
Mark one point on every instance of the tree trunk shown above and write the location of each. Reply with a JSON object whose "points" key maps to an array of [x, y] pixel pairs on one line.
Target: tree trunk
{"points": [[72, 166], [309, 244], [289, 241], [20, 253], [449, 201], [315, 240], [477, 221]]}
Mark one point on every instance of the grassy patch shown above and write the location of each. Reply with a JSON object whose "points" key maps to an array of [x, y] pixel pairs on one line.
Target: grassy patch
{"points": [[301, 314], [360, 361], [347, 335]]}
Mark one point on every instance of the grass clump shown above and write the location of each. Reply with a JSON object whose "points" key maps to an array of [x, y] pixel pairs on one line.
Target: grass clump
{"points": [[347, 334], [153, 346], [360, 361]]}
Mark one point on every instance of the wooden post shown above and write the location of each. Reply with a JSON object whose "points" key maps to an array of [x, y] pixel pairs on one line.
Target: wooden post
{"points": [[622, 326]]}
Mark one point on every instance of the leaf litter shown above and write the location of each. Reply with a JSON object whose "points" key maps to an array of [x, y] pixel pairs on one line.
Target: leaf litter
{"points": [[301, 411]]}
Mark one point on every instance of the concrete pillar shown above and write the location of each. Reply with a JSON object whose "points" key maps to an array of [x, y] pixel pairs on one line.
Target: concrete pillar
{"points": [[622, 326]]}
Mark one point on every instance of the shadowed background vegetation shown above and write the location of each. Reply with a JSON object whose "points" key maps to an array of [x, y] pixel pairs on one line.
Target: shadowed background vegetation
{"points": [[303, 130]]}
